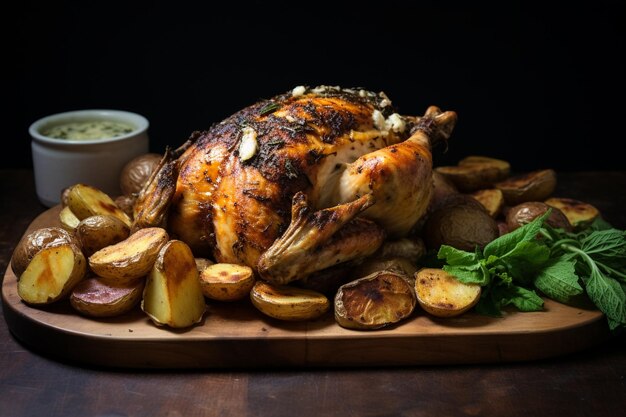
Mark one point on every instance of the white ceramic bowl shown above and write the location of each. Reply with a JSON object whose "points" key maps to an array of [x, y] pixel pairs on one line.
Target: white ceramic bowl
{"points": [[59, 163]]}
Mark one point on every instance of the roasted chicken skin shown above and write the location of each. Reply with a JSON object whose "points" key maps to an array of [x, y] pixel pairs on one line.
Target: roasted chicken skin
{"points": [[306, 162]]}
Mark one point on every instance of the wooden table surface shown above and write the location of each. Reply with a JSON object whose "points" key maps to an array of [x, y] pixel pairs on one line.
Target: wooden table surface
{"points": [[588, 383]]}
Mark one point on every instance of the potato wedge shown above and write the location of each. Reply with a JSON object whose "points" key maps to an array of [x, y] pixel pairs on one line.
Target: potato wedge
{"points": [[579, 213], [172, 295], [534, 186], [288, 303], [524, 213], [503, 166], [130, 259], [85, 201], [226, 282], [475, 173], [99, 231], [97, 297], [52, 274], [33, 242], [492, 200], [377, 300], [442, 295], [68, 220]]}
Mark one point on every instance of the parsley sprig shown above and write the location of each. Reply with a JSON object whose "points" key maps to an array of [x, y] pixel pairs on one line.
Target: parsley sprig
{"points": [[561, 265]]}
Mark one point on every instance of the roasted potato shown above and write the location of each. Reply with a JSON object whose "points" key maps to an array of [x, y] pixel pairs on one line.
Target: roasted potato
{"points": [[412, 248], [328, 280], [534, 186], [85, 201], [475, 173], [97, 297], [127, 204], [68, 219], [442, 295], [31, 243], [523, 213], [132, 258], [463, 226], [99, 231], [65, 194], [172, 295], [226, 282], [137, 172], [503, 166], [288, 303], [52, 274], [492, 200], [377, 300], [202, 263], [579, 213], [399, 265]]}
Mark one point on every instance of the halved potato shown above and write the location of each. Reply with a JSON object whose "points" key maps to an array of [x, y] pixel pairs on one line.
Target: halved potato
{"points": [[503, 166], [68, 220], [99, 231], [172, 295], [579, 213], [33, 242], [85, 201], [442, 295], [534, 186], [284, 302], [492, 199], [475, 172], [97, 297], [226, 282], [52, 274], [132, 258], [377, 300]]}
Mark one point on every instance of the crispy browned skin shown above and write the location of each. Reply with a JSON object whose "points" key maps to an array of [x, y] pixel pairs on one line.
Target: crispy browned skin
{"points": [[326, 144]]}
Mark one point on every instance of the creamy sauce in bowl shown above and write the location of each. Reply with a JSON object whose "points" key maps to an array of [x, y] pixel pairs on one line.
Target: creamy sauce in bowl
{"points": [[88, 130]]}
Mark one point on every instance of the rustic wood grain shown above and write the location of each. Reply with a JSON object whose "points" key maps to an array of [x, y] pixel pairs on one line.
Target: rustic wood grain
{"points": [[584, 383]]}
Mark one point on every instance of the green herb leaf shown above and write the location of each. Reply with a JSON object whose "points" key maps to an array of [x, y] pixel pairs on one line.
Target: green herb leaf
{"points": [[607, 294], [473, 274], [507, 242], [522, 298], [558, 280], [606, 245], [270, 107], [454, 256]]}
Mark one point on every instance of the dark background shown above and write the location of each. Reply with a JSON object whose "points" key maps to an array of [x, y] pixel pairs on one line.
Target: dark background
{"points": [[538, 87]]}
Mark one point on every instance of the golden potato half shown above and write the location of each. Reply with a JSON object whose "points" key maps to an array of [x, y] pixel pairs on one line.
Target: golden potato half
{"points": [[442, 295]]}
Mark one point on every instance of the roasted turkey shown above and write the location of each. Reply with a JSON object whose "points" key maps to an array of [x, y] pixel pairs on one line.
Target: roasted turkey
{"points": [[297, 183]]}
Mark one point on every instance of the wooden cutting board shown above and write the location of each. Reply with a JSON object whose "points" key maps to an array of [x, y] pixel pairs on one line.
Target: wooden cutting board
{"points": [[236, 335]]}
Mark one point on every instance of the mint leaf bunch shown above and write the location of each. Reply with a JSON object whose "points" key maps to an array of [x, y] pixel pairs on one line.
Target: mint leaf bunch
{"points": [[599, 258], [561, 265], [505, 268]]}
